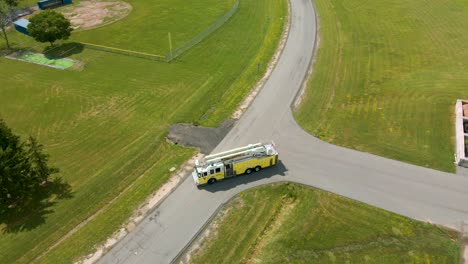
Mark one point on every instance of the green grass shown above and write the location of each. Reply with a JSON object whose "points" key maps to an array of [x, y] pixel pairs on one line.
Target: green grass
{"points": [[105, 126], [387, 76], [27, 3], [290, 223], [148, 31]]}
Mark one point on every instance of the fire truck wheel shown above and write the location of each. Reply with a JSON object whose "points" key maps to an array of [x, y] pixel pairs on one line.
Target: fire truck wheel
{"points": [[248, 171], [211, 181], [258, 168]]}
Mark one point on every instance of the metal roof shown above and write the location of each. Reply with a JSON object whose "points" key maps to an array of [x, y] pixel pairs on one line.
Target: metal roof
{"points": [[22, 22]]}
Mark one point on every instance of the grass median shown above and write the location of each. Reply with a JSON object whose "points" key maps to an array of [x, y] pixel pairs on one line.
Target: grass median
{"points": [[386, 78]]}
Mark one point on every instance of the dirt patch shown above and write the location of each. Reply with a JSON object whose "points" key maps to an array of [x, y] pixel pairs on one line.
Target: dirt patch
{"points": [[463, 238], [465, 255], [204, 138], [91, 14], [464, 243], [465, 109]]}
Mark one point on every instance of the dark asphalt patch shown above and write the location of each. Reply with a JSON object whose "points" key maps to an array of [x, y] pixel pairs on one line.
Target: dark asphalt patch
{"points": [[204, 138]]}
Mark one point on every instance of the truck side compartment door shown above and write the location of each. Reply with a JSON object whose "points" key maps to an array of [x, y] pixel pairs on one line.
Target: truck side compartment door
{"points": [[229, 170]]}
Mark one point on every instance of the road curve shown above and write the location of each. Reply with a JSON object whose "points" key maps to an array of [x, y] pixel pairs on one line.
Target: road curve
{"points": [[409, 190]]}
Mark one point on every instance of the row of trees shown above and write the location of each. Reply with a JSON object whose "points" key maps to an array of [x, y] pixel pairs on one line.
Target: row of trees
{"points": [[46, 26], [23, 169]]}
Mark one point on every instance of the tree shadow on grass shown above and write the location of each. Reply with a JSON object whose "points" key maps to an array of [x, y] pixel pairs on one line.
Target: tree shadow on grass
{"points": [[63, 50], [34, 213]]}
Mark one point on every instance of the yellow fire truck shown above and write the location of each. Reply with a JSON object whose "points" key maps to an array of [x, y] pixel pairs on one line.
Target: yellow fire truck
{"points": [[248, 159]]}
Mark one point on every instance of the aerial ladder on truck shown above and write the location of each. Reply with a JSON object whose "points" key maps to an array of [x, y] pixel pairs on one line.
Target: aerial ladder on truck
{"points": [[243, 160]]}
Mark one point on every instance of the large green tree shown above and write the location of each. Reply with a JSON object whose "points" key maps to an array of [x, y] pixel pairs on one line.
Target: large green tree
{"points": [[23, 168], [7, 11], [49, 26]]}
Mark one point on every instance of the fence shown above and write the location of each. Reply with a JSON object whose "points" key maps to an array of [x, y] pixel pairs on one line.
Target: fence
{"points": [[197, 39], [126, 52], [177, 51], [164, 58]]}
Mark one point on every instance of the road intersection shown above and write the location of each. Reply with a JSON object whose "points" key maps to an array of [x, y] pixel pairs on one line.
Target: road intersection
{"points": [[413, 191]]}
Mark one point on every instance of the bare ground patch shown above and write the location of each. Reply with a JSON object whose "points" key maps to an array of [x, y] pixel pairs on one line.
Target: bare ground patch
{"points": [[464, 242], [91, 14], [204, 138]]}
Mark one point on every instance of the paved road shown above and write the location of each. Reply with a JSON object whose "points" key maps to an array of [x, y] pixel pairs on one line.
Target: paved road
{"points": [[413, 191]]}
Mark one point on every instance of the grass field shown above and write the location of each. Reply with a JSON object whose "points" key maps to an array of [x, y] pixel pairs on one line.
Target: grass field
{"points": [[387, 76], [105, 126], [289, 223], [149, 30]]}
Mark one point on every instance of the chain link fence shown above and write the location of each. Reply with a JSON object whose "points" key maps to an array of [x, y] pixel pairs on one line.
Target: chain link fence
{"points": [[131, 53], [175, 52], [197, 39], [163, 58]]}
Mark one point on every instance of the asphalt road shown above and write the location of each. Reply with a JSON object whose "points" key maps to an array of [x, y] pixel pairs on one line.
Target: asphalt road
{"points": [[409, 190]]}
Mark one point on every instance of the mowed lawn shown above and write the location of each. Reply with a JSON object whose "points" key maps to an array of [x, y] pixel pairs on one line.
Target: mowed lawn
{"points": [[105, 126], [387, 76], [148, 31], [290, 223]]}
